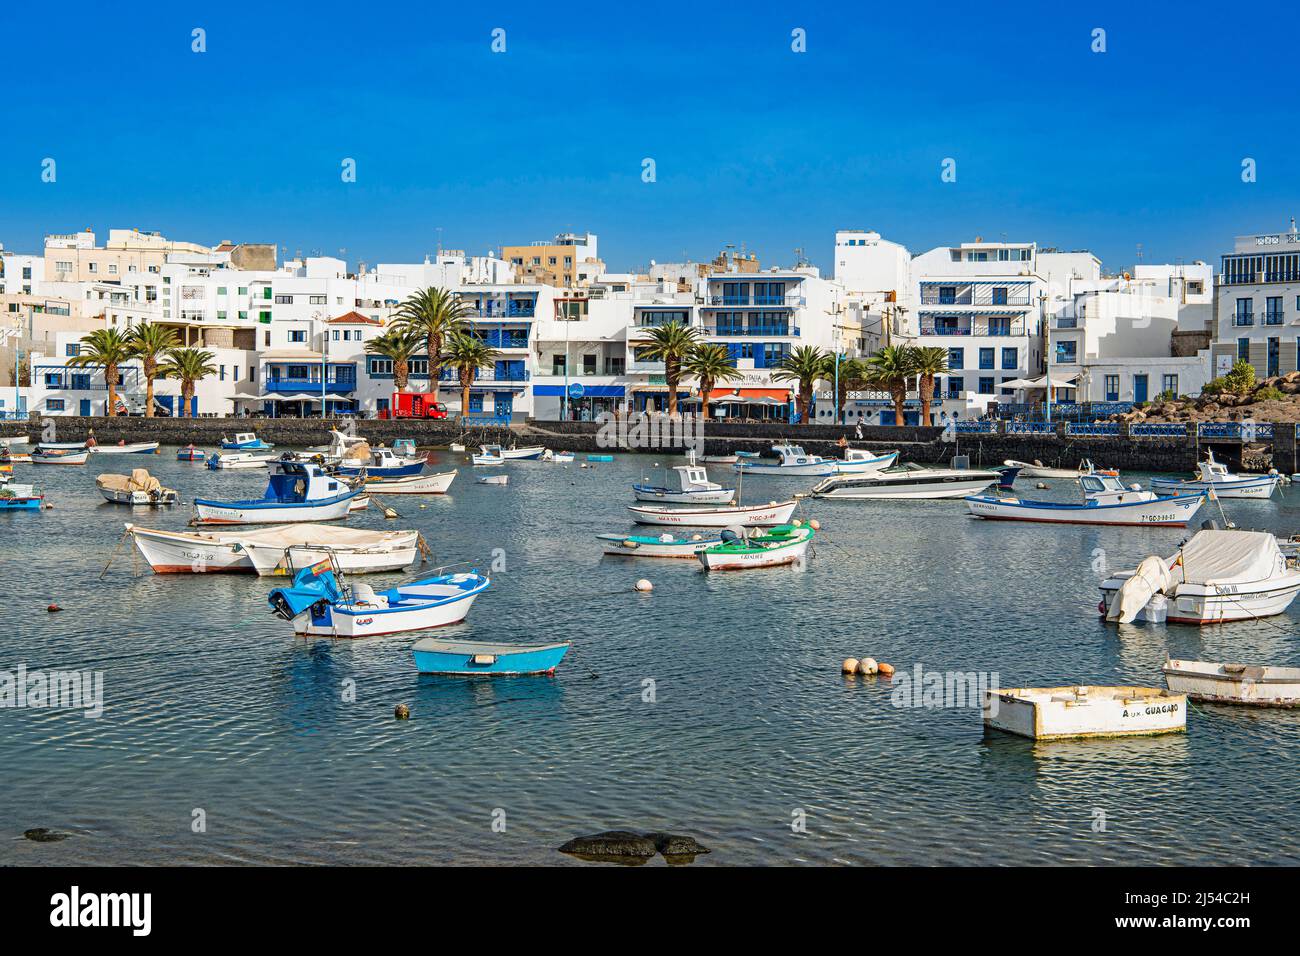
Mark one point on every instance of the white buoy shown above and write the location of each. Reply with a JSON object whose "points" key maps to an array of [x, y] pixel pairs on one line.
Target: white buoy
{"points": [[796, 523], [1041, 486], [850, 666], [643, 585], [815, 524], [868, 665]]}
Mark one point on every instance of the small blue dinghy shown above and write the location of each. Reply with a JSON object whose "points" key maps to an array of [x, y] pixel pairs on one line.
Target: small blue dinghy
{"points": [[464, 658], [600, 458]]}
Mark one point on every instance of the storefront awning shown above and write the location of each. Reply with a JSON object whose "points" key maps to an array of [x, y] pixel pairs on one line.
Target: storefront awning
{"points": [[779, 395]]}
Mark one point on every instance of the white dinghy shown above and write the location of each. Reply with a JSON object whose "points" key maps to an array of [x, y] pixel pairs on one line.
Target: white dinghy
{"points": [[908, 481], [1214, 476], [1248, 684], [656, 546], [1037, 469], [1216, 576], [1062, 713], [239, 460], [139, 448], [412, 484], [750, 516]]}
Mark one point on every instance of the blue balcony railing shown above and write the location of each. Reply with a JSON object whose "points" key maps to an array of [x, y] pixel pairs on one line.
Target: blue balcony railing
{"points": [[1092, 429], [739, 331], [451, 375], [1273, 318], [1236, 431], [1243, 318], [1030, 428], [975, 428], [945, 330], [289, 385], [783, 301], [516, 312]]}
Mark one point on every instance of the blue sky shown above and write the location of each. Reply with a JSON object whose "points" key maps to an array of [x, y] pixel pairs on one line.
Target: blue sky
{"points": [[753, 144]]}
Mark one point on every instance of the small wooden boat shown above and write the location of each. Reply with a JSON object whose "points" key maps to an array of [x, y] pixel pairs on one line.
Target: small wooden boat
{"points": [[655, 546], [456, 446], [494, 480], [693, 487], [61, 445], [600, 458], [319, 605], [239, 460], [139, 448], [558, 457], [773, 513], [470, 658], [488, 455], [190, 453], [530, 453], [59, 456], [11, 441], [15, 497], [138, 488], [1248, 684], [1106, 502], [382, 463], [246, 441], [296, 491], [784, 544], [360, 503], [1216, 576], [719, 459], [1213, 476], [792, 461], [1060, 713], [413, 485]]}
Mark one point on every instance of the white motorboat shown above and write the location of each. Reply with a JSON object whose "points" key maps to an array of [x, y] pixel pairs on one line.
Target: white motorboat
{"points": [[908, 481], [246, 441], [139, 448], [558, 457], [750, 516], [1249, 684], [488, 455], [784, 544], [208, 552], [13, 441], [1106, 501], [719, 459], [61, 446], [239, 460], [47, 455], [859, 461], [1214, 476], [137, 488], [792, 460], [412, 485], [1062, 713], [380, 463], [455, 446], [296, 491], [494, 480], [1215, 576], [656, 546], [1037, 469], [518, 454], [693, 487]]}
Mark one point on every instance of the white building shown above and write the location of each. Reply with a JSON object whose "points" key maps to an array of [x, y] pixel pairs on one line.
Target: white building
{"points": [[876, 277], [1258, 304]]}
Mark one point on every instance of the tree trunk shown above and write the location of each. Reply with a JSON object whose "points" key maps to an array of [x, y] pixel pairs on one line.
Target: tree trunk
{"points": [[465, 382], [927, 389], [805, 399], [149, 369], [900, 399], [706, 386], [671, 374], [435, 362], [110, 376], [400, 375], [187, 398]]}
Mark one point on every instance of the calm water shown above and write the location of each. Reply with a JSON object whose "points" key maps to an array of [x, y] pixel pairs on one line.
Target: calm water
{"points": [[213, 704]]}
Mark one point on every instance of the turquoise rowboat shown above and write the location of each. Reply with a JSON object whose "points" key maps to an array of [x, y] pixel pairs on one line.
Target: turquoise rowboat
{"points": [[465, 658]]}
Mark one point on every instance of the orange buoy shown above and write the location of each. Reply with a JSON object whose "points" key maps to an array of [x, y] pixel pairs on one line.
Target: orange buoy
{"points": [[886, 670], [53, 607]]}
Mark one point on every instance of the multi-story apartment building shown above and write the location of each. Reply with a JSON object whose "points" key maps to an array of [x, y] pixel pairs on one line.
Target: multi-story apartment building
{"points": [[876, 277], [1257, 304], [569, 260]]}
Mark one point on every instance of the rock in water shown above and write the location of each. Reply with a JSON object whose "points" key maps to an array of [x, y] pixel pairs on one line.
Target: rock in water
{"points": [[611, 844], [44, 835], [674, 844]]}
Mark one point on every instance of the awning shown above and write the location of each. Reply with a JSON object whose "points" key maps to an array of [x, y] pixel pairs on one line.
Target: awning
{"points": [[588, 391], [289, 355], [772, 396]]}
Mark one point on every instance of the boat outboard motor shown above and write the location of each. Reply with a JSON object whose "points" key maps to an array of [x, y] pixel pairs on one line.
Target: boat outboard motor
{"points": [[729, 537], [311, 586]]}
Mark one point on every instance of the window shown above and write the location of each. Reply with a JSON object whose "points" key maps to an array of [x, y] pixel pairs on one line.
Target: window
{"points": [[316, 300], [475, 402], [221, 290], [986, 385], [221, 316], [380, 367], [550, 261], [283, 299], [999, 325], [71, 349], [1243, 315], [264, 317], [112, 269], [53, 379], [986, 358], [589, 365], [1112, 388], [956, 386], [92, 267], [1008, 391], [947, 294], [1000, 295], [557, 364], [1010, 358], [266, 293], [1067, 352], [1169, 384], [957, 358], [1243, 350], [54, 404], [243, 290], [1274, 347], [298, 336], [335, 336], [1273, 310], [63, 266]]}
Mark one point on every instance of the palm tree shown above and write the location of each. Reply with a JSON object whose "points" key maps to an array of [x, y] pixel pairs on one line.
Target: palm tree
{"points": [[467, 354], [150, 343], [710, 364], [432, 314], [851, 376], [889, 370], [400, 346], [191, 366], [927, 362], [109, 348], [804, 365], [671, 343]]}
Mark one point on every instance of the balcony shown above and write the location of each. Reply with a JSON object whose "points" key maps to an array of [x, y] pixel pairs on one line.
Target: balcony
{"points": [[309, 385], [1273, 318], [781, 301], [451, 376], [1243, 319], [945, 330], [741, 331], [520, 311], [504, 338], [1067, 322], [975, 293], [653, 367]]}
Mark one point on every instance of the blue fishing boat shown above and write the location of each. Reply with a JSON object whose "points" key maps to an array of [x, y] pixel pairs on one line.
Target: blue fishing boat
{"points": [[466, 658], [382, 464], [190, 453], [1007, 479], [296, 491], [246, 441], [20, 498]]}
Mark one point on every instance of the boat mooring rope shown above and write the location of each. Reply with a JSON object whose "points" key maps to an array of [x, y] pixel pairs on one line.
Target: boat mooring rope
{"points": [[116, 548]]}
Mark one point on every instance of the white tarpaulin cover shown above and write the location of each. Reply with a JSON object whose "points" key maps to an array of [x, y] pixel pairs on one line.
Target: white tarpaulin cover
{"points": [[299, 535], [1151, 577], [1228, 557]]}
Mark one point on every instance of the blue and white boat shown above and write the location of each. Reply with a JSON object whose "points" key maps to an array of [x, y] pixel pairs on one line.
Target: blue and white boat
{"points": [[246, 441], [469, 658], [382, 464], [319, 605], [859, 461], [1213, 476], [694, 487], [14, 497], [296, 491], [792, 461], [190, 453], [656, 546], [1106, 502]]}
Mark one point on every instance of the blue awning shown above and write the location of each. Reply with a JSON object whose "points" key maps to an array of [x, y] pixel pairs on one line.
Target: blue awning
{"points": [[588, 391]]}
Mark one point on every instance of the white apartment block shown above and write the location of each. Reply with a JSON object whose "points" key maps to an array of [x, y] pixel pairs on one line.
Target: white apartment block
{"points": [[1257, 304]]}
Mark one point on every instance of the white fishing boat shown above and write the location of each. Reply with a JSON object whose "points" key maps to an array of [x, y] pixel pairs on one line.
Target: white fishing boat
{"points": [[360, 503], [908, 481], [1214, 476], [783, 544], [355, 550], [1248, 684], [859, 461], [61, 446], [792, 460], [319, 605], [488, 455], [1062, 713], [719, 459], [45, 455], [656, 546], [693, 487], [1106, 501], [296, 491], [456, 446], [1216, 576], [380, 463], [13, 441], [519, 454], [412, 485], [494, 480], [137, 488], [558, 457], [753, 516], [239, 460], [139, 448], [1036, 469]]}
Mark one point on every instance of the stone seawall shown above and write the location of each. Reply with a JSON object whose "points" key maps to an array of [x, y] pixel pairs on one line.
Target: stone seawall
{"points": [[925, 445]]}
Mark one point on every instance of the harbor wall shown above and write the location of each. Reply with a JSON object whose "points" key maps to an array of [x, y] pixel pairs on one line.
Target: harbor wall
{"points": [[914, 443]]}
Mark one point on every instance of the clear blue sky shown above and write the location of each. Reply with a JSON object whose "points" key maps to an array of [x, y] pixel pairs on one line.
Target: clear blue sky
{"points": [[753, 143]]}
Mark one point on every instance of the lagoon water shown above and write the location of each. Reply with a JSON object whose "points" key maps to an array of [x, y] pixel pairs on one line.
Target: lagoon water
{"points": [[214, 711]]}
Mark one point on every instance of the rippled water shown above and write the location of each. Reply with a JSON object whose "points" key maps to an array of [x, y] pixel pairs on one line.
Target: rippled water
{"points": [[212, 704]]}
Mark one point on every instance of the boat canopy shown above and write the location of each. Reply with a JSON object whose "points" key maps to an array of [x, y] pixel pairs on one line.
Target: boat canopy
{"points": [[1228, 557]]}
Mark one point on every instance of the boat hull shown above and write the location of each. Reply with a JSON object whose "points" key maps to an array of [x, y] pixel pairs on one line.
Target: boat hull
{"points": [[1168, 512], [250, 512], [1200, 604], [172, 552], [353, 621], [720, 496], [720, 560], [1058, 713], [1262, 487], [139, 448], [136, 498], [638, 546], [417, 485], [753, 517], [472, 659], [1234, 683], [531, 453], [272, 560], [69, 458], [866, 466], [955, 487], [387, 471], [819, 470]]}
